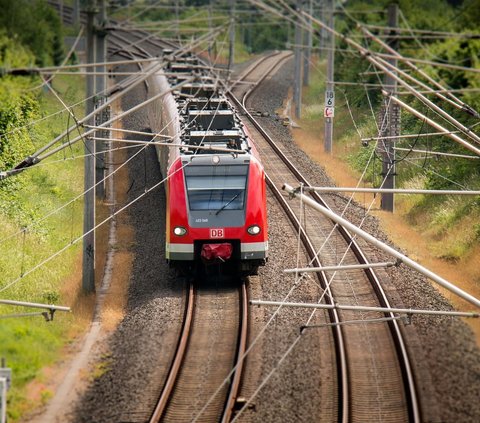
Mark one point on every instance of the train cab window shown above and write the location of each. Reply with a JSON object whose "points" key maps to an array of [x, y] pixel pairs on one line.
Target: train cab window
{"points": [[216, 188]]}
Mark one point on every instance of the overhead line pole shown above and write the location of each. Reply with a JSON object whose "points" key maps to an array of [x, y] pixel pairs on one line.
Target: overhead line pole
{"points": [[323, 32], [120, 90], [88, 262], [385, 67], [389, 123], [297, 84], [101, 58], [231, 45], [308, 42], [209, 10], [76, 12], [329, 87], [177, 21]]}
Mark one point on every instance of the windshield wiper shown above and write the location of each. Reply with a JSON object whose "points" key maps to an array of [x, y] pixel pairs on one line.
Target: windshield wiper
{"points": [[228, 203]]}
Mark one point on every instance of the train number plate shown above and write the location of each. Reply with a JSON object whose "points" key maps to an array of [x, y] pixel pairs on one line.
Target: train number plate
{"points": [[217, 233]]}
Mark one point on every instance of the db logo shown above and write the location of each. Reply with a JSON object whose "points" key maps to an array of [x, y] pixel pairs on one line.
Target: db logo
{"points": [[217, 233]]}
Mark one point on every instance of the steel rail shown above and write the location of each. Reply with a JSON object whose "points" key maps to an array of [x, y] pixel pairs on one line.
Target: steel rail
{"points": [[251, 68], [340, 348], [179, 356], [242, 347], [181, 350], [279, 63], [182, 346], [402, 353]]}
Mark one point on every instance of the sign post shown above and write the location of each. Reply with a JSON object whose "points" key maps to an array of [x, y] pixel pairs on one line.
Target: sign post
{"points": [[329, 93], [329, 113], [3, 400], [5, 382]]}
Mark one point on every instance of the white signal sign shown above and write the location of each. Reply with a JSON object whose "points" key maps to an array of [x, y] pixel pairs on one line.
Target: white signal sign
{"points": [[328, 112], [329, 98], [217, 233]]}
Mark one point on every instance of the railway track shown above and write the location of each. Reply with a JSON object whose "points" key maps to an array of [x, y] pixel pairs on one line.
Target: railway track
{"points": [[256, 73], [200, 384], [375, 381], [214, 333], [212, 342]]}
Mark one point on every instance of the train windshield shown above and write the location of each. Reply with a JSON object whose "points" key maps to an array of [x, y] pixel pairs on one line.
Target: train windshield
{"points": [[216, 188]]}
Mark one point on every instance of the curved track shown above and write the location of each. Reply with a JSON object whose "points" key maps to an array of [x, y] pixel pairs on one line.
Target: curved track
{"points": [[201, 384], [213, 341], [376, 382], [256, 73]]}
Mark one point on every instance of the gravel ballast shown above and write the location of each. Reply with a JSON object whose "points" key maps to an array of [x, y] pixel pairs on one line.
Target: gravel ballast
{"points": [[137, 356], [446, 356]]}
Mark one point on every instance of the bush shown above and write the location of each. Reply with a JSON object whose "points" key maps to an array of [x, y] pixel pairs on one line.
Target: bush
{"points": [[35, 25]]}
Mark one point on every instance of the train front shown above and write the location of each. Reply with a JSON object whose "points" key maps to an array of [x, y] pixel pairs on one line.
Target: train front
{"points": [[217, 212]]}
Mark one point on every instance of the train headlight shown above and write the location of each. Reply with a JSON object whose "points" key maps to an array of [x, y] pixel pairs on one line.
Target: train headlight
{"points": [[254, 230], [216, 160], [179, 230]]}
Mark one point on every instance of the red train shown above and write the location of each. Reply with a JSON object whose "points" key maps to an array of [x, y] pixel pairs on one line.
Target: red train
{"points": [[215, 189]]}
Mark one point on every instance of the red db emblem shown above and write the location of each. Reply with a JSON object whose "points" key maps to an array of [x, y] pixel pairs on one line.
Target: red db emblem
{"points": [[217, 233]]}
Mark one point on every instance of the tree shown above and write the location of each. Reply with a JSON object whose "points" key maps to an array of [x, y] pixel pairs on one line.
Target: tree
{"points": [[36, 25]]}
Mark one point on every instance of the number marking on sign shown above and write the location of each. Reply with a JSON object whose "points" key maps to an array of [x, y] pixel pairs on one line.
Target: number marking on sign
{"points": [[329, 98]]}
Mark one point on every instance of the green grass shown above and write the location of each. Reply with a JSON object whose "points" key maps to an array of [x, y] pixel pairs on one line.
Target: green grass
{"points": [[29, 344]]}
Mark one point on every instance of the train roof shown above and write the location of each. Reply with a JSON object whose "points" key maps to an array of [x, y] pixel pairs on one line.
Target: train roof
{"points": [[210, 123]]}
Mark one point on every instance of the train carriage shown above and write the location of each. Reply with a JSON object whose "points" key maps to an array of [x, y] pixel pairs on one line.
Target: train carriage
{"points": [[215, 188]]}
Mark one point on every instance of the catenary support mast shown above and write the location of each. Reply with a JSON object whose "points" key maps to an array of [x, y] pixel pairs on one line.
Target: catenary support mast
{"points": [[88, 266]]}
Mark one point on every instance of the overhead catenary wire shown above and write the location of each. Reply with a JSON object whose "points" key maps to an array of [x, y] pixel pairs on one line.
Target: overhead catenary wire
{"points": [[38, 154], [50, 69], [267, 377], [389, 137], [386, 67], [154, 135], [240, 412], [80, 238], [419, 31], [419, 37], [65, 60], [410, 62], [389, 250], [393, 190], [435, 125], [30, 160], [171, 144], [383, 65], [420, 44], [439, 175], [123, 86], [438, 153]]}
